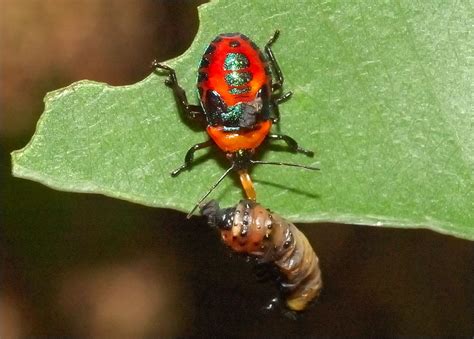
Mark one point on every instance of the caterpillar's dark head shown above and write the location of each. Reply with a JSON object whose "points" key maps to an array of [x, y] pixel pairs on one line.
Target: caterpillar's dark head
{"points": [[218, 217], [244, 228], [223, 218]]}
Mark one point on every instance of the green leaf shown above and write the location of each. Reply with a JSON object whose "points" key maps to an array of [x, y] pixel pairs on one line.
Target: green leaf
{"points": [[382, 93]]}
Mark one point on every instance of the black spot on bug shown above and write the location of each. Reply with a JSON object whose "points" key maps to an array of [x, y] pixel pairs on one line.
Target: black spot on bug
{"points": [[210, 49], [204, 62], [202, 76], [234, 43]]}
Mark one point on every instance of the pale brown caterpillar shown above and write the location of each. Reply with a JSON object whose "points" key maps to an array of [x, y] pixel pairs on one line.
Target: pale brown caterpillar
{"points": [[251, 229]]}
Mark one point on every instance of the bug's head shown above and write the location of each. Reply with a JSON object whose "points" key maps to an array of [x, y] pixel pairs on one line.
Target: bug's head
{"points": [[241, 159]]}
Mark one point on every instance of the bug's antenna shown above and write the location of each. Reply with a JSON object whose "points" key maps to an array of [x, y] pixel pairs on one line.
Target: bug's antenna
{"points": [[258, 162], [209, 192]]}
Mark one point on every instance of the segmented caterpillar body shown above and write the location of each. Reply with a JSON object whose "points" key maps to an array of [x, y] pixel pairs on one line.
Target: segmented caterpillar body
{"points": [[251, 229]]}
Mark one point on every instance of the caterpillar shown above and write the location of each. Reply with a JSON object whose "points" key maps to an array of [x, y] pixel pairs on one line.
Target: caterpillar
{"points": [[251, 229]]}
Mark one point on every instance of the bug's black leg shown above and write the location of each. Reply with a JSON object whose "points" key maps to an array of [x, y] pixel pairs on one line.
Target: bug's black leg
{"points": [[274, 64], [292, 144], [188, 159], [284, 97], [278, 84], [189, 111], [275, 114]]}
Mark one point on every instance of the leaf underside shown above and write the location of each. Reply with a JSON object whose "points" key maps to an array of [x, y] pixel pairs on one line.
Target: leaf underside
{"points": [[382, 94]]}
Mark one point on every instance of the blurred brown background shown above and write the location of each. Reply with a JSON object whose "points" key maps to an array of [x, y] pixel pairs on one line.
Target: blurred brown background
{"points": [[86, 265]]}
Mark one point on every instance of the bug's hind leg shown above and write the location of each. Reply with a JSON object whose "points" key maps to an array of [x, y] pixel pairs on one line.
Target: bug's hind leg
{"points": [[188, 159], [187, 110], [292, 144]]}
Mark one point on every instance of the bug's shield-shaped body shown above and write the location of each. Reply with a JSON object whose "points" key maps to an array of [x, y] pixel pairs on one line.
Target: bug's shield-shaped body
{"points": [[251, 229], [240, 89], [234, 85]]}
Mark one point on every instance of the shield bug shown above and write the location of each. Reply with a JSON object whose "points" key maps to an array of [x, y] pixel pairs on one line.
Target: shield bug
{"points": [[240, 88]]}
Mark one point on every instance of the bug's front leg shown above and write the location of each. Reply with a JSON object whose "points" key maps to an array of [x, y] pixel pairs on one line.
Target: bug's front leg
{"points": [[292, 144], [278, 74], [189, 111], [188, 159]]}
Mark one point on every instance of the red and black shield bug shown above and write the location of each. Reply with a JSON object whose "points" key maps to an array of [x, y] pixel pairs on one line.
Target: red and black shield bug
{"points": [[239, 89]]}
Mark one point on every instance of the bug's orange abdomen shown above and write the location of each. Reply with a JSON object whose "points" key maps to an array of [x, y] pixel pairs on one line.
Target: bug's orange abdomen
{"points": [[234, 141]]}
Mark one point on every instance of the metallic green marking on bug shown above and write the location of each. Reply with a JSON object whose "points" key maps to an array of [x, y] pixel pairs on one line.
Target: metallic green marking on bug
{"points": [[232, 116], [235, 61], [236, 91], [233, 113], [238, 78]]}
